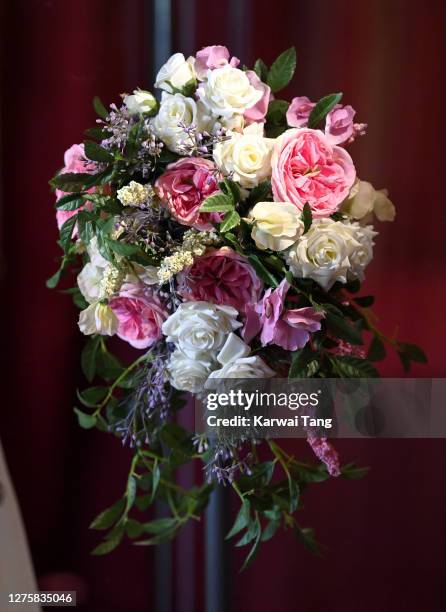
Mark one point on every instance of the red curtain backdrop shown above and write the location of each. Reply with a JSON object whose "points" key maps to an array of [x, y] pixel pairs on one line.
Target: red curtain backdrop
{"points": [[385, 535]]}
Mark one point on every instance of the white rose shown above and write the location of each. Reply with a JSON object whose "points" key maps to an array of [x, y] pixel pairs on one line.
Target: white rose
{"points": [[176, 74], [362, 254], [246, 157], [140, 102], [94, 254], [98, 318], [187, 374], [227, 91], [364, 200], [144, 274], [174, 110], [200, 328], [244, 367], [323, 253], [276, 225]]}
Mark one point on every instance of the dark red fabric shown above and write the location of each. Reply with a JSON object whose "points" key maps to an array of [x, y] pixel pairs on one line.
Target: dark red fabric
{"points": [[385, 535]]}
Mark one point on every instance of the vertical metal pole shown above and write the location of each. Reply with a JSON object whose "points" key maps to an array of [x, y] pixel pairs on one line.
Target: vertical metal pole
{"points": [[162, 49], [217, 573]]}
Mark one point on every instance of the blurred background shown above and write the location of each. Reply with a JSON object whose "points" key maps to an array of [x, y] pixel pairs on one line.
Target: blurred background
{"points": [[385, 535]]}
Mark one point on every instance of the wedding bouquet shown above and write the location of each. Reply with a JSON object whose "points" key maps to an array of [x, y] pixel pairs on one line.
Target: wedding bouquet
{"points": [[222, 232]]}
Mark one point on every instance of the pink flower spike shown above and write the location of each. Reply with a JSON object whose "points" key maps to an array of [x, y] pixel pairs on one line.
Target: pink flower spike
{"points": [[325, 452]]}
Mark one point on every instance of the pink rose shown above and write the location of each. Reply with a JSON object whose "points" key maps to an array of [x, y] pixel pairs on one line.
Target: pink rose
{"points": [[307, 168], [223, 277], [140, 315], [258, 111], [75, 162], [212, 57], [299, 111], [339, 124], [289, 329], [184, 186]]}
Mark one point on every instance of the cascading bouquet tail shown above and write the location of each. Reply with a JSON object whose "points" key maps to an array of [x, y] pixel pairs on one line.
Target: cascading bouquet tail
{"points": [[223, 233]]}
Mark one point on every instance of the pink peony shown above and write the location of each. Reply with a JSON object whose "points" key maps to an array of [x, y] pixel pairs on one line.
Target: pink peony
{"points": [[339, 124], [140, 315], [307, 168], [184, 186], [223, 277], [299, 111], [213, 57], [75, 162], [257, 112], [289, 329]]}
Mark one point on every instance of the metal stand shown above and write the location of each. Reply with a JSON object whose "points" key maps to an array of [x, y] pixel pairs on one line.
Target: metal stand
{"points": [[217, 570]]}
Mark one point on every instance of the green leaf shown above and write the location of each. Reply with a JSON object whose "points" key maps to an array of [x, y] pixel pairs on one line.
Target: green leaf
{"points": [[365, 301], [121, 248], [232, 219], [262, 272], [255, 547], [72, 181], [414, 352], [242, 520], [294, 494], [108, 366], [231, 189], [277, 112], [260, 193], [100, 109], [66, 232], [86, 421], [377, 350], [270, 530], [308, 539], [108, 517], [130, 494], [341, 329], [71, 201], [353, 367], [109, 544], [302, 358], [217, 203], [160, 525], [282, 70], [90, 397], [307, 217], [53, 281], [353, 472], [88, 357], [261, 70], [156, 475], [133, 528], [322, 108], [95, 152]]}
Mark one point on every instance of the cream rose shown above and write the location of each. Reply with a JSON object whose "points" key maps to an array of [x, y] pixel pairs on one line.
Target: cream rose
{"points": [[188, 374], [98, 318], [364, 200], [200, 328], [140, 101], [174, 110], [176, 74], [276, 225], [246, 156], [323, 253], [90, 277], [227, 91], [244, 367], [362, 254]]}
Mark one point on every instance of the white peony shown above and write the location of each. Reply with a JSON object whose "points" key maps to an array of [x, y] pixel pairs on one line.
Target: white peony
{"points": [[98, 318], [140, 101], [323, 253], [188, 374], [364, 200], [176, 74], [174, 110], [200, 328], [246, 156], [227, 91], [276, 225]]}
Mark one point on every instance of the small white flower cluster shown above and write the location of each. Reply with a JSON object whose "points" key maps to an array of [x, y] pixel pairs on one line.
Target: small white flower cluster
{"points": [[135, 194], [205, 346], [194, 245]]}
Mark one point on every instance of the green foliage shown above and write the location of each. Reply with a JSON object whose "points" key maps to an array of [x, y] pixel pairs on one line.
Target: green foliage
{"points": [[322, 108], [217, 203], [100, 109], [282, 70], [276, 122], [97, 153], [307, 217], [231, 220], [261, 70]]}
